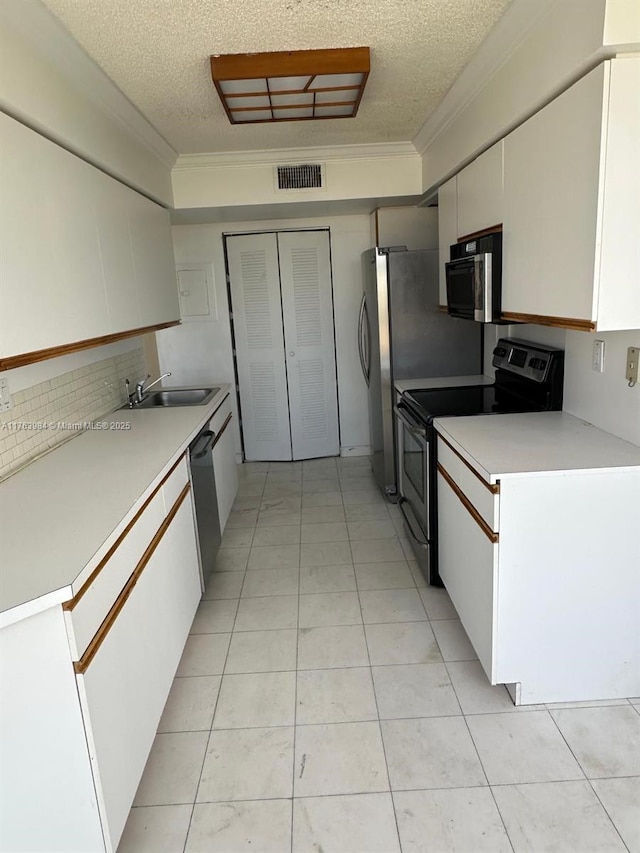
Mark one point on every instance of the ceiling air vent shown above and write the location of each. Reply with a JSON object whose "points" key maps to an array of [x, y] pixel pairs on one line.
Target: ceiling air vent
{"points": [[309, 176]]}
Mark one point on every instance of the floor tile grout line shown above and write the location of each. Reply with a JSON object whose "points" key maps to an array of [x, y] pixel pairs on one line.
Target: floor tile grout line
{"points": [[375, 698], [475, 748], [606, 811], [295, 700], [206, 750]]}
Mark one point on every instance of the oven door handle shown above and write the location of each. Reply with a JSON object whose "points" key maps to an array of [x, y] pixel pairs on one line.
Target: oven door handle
{"points": [[401, 503], [413, 426]]}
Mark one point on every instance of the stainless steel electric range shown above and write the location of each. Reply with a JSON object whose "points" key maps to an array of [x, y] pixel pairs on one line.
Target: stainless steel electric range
{"points": [[528, 378]]}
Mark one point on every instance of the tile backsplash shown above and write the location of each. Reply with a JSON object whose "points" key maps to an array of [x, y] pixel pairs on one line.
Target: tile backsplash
{"points": [[51, 412]]}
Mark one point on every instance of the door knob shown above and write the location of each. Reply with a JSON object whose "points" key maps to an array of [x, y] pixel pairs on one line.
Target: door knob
{"points": [[291, 354]]}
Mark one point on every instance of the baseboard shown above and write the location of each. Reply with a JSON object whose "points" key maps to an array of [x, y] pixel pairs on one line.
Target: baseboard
{"points": [[357, 450]]}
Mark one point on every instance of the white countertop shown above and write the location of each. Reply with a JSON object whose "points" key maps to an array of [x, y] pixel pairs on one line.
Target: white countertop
{"points": [[442, 382], [500, 446], [59, 515]]}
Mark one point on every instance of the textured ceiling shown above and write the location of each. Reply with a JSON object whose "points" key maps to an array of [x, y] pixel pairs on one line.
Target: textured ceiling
{"points": [[157, 52]]}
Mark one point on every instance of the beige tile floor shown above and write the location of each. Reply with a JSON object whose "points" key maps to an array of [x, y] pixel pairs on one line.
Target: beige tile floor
{"points": [[327, 700]]}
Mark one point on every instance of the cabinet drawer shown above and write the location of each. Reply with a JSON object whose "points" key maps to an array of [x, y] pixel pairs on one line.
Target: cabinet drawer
{"points": [[484, 496], [86, 611], [175, 483]]}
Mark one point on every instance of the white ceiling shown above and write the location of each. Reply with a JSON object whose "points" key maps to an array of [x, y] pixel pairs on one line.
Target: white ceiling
{"points": [[157, 52]]}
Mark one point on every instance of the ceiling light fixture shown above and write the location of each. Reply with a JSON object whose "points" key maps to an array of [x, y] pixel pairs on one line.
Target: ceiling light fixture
{"points": [[292, 85]]}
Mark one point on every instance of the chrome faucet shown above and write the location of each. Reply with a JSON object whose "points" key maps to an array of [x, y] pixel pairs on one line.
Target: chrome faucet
{"points": [[141, 390]]}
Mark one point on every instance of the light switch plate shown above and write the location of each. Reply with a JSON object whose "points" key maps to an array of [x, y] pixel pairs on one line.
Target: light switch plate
{"points": [[5, 396], [597, 362], [631, 375]]}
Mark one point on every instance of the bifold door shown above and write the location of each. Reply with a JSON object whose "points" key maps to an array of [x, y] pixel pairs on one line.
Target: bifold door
{"points": [[283, 321]]}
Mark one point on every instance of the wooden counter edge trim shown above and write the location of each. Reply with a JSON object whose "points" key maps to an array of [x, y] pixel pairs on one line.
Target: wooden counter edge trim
{"points": [[12, 361], [494, 489], [545, 320], [72, 602], [464, 500], [221, 430], [81, 665], [492, 229]]}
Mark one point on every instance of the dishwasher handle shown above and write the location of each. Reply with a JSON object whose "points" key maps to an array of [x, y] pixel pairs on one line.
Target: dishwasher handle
{"points": [[208, 436]]}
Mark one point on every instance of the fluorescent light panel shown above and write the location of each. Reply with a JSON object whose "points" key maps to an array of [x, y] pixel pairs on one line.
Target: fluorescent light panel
{"points": [[291, 85]]}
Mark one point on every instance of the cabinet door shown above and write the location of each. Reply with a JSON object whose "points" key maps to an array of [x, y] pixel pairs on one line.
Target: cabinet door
{"points": [[125, 686], [224, 460], [447, 230], [551, 171], [480, 193], [468, 562], [52, 286], [619, 267], [156, 283], [112, 203]]}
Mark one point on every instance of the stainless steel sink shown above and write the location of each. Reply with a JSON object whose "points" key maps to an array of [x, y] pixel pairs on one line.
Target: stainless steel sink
{"points": [[171, 397]]}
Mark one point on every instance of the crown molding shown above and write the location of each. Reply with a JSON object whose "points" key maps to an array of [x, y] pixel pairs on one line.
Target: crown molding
{"points": [[45, 32], [501, 42], [264, 157]]}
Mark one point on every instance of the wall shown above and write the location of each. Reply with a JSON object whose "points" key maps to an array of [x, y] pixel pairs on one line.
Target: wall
{"points": [[247, 178], [48, 82], [200, 352], [413, 227], [72, 390], [603, 399]]}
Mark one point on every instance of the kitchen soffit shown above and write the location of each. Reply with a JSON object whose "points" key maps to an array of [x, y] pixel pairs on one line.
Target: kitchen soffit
{"points": [[158, 53]]}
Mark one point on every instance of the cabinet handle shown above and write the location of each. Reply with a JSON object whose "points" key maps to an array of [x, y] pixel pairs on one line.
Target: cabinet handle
{"points": [[466, 503], [81, 665], [494, 489], [221, 430]]}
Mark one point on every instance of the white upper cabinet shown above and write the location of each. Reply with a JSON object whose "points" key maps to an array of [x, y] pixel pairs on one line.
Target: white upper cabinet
{"points": [[83, 256], [572, 206], [116, 253], [157, 286], [480, 192], [50, 255], [447, 230]]}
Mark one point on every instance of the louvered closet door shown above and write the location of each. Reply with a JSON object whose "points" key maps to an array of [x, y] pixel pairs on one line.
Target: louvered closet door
{"points": [[257, 320], [307, 307]]}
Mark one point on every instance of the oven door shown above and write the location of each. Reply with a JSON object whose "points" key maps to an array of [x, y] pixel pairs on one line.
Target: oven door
{"points": [[413, 472], [469, 288]]}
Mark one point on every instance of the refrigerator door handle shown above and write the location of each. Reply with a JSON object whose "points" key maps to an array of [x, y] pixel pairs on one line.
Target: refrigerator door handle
{"points": [[363, 344]]}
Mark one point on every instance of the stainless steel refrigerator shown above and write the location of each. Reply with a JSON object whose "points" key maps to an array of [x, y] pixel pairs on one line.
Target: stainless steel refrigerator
{"points": [[402, 334]]}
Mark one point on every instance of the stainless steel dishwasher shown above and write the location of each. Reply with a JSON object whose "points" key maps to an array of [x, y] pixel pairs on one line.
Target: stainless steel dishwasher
{"points": [[205, 499]]}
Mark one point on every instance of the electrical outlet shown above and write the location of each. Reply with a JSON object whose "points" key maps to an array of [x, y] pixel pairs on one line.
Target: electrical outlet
{"points": [[631, 375], [597, 360], [5, 396]]}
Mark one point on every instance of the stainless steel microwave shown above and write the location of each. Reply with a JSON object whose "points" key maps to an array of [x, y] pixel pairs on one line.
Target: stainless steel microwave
{"points": [[474, 279]]}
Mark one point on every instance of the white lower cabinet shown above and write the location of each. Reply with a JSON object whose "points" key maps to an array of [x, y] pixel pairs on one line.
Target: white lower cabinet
{"points": [[550, 601], [224, 460], [468, 562], [84, 687], [125, 687]]}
